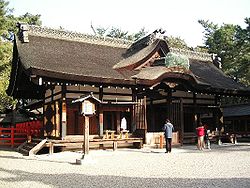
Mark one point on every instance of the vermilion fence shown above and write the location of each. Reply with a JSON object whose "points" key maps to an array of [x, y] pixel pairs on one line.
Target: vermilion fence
{"points": [[16, 136]]}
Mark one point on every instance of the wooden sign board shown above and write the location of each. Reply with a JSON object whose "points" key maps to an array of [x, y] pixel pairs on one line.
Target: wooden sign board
{"points": [[88, 108]]}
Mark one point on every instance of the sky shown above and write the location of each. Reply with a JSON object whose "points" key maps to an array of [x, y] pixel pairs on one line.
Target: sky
{"points": [[178, 17]]}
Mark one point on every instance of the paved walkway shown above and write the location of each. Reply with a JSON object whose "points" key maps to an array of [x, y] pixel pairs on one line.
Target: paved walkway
{"points": [[223, 166]]}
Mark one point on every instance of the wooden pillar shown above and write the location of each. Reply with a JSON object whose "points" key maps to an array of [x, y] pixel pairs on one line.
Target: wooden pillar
{"points": [[51, 148], [118, 122], [44, 117], [100, 93], [195, 112], [57, 115], [86, 136], [53, 106], [152, 116], [101, 123], [182, 122], [217, 113], [169, 104], [133, 126], [64, 112], [145, 113], [13, 119], [100, 112]]}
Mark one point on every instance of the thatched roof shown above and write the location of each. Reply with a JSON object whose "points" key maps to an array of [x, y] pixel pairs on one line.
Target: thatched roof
{"points": [[62, 56]]}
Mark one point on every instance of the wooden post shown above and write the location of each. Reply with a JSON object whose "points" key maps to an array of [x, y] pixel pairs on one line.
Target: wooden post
{"points": [[13, 120], [118, 122], [51, 148], [152, 115], [101, 112], [86, 136], [134, 99], [181, 137], [145, 113], [64, 118], [115, 145], [169, 106], [64, 112], [195, 112], [57, 116], [161, 141], [101, 123]]}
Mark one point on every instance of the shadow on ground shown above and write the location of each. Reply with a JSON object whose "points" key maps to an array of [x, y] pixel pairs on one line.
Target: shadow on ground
{"points": [[81, 180]]}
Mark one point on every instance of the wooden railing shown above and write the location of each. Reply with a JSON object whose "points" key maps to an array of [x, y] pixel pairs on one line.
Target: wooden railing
{"points": [[16, 136]]}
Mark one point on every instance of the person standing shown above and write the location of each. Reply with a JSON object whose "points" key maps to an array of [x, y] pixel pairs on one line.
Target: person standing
{"points": [[206, 137], [168, 132], [200, 135]]}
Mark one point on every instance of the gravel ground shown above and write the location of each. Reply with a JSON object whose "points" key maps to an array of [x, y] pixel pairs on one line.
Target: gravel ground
{"points": [[224, 166]]}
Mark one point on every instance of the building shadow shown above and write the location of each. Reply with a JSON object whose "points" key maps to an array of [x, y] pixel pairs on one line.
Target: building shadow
{"points": [[82, 180]]}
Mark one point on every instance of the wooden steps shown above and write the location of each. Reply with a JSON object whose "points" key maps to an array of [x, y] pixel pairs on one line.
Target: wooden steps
{"points": [[27, 148]]}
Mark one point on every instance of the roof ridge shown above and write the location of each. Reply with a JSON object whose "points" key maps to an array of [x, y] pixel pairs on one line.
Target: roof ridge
{"points": [[77, 36], [105, 41], [192, 54]]}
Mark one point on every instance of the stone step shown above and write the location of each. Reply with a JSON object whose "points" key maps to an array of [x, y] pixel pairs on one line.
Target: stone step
{"points": [[24, 151]]}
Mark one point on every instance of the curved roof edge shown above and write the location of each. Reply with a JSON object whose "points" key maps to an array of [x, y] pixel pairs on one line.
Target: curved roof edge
{"points": [[152, 75]]}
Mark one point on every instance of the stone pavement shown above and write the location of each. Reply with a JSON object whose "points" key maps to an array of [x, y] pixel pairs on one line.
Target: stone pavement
{"points": [[227, 165]]}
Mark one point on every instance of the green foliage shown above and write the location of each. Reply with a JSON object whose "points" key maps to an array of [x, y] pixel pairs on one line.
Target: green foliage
{"points": [[115, 32], [177, 42], [141, 33], [232, 44], [3, 16], [5, 57], [30, 19], [200, 49], [8, 25], [172, 60], [101, 31]]}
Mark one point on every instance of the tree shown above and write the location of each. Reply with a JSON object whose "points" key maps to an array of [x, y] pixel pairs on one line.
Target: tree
{"points": [[232, 44], [177, 42], [7, 27], [116, 32], [243, 49]]}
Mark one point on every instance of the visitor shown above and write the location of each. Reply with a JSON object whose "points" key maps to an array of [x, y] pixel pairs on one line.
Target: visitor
{"points": [[168, 132], [200, 136]]}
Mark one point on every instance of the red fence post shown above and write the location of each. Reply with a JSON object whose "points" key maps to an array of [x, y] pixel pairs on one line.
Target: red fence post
{"points": [[29, 133], [12, 137]]}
